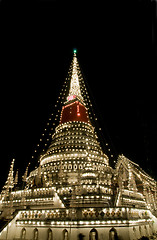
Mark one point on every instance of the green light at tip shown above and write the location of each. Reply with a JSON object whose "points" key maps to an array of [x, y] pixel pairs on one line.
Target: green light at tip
{"points": [[75, 51]]}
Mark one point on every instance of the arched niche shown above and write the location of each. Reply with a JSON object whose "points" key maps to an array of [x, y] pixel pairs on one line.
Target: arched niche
{"points": [[113, 234], [93, 234], [65, 234]]}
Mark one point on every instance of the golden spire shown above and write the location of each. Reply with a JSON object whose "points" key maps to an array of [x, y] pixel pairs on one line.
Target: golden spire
{"points": [[75, 90]]}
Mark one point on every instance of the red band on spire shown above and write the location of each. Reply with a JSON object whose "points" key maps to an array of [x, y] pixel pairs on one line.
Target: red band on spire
{"points": [[74, 112]]}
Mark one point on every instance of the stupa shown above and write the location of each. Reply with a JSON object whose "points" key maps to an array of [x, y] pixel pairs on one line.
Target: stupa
{"points": [[74, 193]]}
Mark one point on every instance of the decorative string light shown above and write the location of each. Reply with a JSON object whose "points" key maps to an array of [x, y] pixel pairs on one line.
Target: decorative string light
{"points": [[74, 171], [53, 121]]}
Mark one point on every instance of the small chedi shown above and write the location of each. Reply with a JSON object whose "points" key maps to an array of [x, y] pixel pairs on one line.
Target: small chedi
{"points": [[74, 193]]}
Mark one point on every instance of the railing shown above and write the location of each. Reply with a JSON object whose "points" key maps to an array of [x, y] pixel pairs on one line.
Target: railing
{"points": [[86, 213]]}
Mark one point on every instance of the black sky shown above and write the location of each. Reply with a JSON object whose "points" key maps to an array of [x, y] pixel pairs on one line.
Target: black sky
{"points": [[115, 54]]}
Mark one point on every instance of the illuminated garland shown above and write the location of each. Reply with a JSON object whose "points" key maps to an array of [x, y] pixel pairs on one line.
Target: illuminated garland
{"points": [[74, 85]]}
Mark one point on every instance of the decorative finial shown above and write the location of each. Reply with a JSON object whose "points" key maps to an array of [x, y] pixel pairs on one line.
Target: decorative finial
{"points": [[74, 50]]}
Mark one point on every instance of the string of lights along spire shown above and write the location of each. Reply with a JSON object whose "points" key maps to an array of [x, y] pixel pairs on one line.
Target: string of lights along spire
{"points": [[74, 193], [74, 87]]}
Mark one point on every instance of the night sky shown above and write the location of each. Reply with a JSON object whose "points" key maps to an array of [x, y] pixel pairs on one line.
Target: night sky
{"points": [[114, 47]]}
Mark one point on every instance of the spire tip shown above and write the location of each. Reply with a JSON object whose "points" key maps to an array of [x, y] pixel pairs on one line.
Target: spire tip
{"points": [[74, 50]]}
